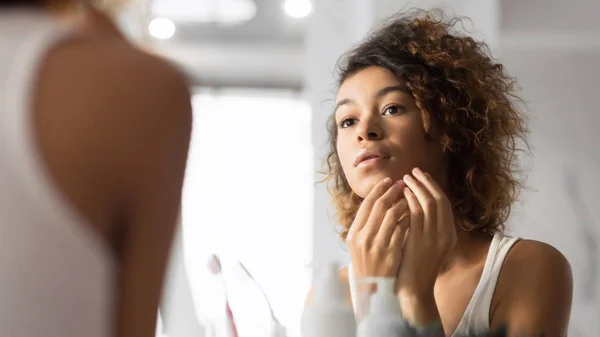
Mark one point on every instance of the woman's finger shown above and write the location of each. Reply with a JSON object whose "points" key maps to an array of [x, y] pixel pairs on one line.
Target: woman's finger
{"points": [[380, 208], [416, 212], [399, 233], [367, 205], [431, 185], [390, 222], [441, 200], [426, 201]]}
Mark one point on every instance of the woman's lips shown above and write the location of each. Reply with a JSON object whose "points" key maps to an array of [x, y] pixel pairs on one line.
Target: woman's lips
{"points": [[371, 161]]}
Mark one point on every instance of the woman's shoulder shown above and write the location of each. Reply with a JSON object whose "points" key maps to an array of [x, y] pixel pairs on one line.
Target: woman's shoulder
{"points": [[113, 80], [535, 278], [111, 61], [534, 258], [110, 82], [111, 108]]}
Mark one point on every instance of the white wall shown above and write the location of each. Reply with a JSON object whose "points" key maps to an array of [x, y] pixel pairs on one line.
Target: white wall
{"points": [[552, 47], [560, 90]]}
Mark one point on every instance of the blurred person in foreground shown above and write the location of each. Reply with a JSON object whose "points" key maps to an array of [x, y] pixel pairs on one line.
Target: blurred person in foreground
{"points": [[94, 135], [423, 173]]}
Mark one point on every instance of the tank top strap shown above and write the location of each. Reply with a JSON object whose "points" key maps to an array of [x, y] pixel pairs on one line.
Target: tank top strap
{"points": [[477, 315]]}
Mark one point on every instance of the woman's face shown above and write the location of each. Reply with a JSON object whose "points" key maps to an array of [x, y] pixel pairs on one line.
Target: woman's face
{"points": [[381, 132]]}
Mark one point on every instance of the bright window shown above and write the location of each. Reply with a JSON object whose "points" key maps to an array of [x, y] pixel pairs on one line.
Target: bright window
{"points": [[248, 196]]}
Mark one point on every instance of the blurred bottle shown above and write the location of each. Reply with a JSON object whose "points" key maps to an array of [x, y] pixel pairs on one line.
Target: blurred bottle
{"points": [[274, 328], [328, 315], [384, 318]]}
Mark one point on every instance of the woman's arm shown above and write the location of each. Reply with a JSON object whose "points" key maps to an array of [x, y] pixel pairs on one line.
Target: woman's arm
{"points": [[534, 292]]}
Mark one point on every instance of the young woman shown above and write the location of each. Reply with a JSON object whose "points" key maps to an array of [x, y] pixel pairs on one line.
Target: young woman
{"points": [[423, 174], [93, 143]]}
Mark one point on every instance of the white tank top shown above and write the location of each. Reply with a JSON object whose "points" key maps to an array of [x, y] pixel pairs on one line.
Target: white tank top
{"points": [[56, 274], [476, 318]]}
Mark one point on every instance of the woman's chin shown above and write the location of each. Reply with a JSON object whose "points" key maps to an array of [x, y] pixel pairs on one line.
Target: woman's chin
{"points": [[367, 183]]}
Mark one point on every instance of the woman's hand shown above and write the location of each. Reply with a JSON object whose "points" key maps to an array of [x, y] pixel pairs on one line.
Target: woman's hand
{"points": [[376, 235], [431, 237]]}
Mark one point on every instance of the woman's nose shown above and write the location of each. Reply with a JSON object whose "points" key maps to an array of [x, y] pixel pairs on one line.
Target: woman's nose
{"points": [[369, 129]]}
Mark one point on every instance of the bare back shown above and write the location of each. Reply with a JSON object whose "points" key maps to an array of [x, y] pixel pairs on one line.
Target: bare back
{"points": [[112, 127]]}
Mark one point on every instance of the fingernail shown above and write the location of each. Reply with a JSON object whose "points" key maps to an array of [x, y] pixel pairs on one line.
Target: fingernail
{"points": [[387, 180], [417, 171], [408, 178]]}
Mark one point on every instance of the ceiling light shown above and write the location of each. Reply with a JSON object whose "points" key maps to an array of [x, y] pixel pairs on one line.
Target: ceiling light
{"points": [[297, 9], [211, 11], [161, 28]]}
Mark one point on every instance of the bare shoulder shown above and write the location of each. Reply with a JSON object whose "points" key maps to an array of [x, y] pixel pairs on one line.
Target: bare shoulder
{"points": [[343, 277], [103, 110], [536, 259], [116, 64], [534, 289], [109, 86]]}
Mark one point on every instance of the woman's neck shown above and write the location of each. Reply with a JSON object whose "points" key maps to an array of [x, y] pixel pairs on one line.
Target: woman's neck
{"points": [[471, 248], [92, 22]]}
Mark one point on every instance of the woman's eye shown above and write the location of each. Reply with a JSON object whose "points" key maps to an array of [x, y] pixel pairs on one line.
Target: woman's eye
{"points": [[347, 123], [393, 109]]}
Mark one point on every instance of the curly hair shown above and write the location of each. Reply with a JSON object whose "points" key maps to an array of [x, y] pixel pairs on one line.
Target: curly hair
{"points": [[471, 99]]}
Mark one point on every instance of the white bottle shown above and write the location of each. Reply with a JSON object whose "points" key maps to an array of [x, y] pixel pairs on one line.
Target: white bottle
{"points": [[384, 318], [329, 315]]}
